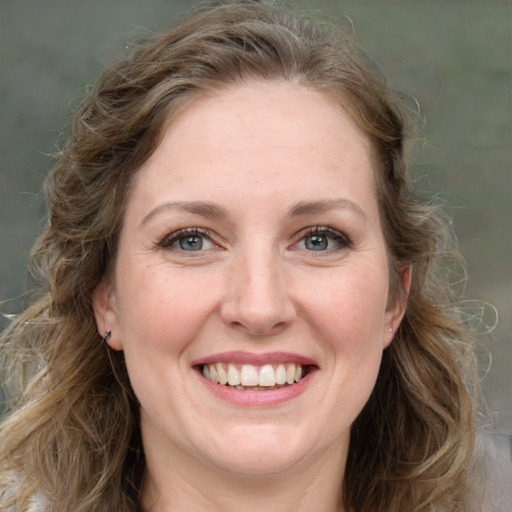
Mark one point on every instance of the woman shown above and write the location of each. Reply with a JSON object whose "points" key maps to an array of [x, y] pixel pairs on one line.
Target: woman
{"points": [[232, 214]]}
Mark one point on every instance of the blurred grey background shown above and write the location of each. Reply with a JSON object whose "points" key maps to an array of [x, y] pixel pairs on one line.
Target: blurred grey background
{"points": [[454, 57]]}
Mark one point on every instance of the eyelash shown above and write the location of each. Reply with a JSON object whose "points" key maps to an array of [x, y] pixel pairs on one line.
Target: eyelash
{"points": [[341, 240], [168, 240]]}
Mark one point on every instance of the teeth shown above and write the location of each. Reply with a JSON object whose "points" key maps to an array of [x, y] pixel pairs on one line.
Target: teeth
{"points": [[290, 374], [214, 374], [233, 376], [281, 374], [266, 376], [249, 375], [221, 374]]}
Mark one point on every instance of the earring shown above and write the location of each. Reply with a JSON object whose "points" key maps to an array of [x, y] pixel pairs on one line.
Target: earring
{"points": [[107, 335]]}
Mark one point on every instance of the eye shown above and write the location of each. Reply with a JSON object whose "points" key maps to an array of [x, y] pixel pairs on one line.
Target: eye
{"points": [[189, 240], [320, 239]]}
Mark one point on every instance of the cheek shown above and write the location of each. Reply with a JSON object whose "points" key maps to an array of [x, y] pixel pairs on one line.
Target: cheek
{"points": [[161, 312], [160, 316], [349, 307], [348, 315]]}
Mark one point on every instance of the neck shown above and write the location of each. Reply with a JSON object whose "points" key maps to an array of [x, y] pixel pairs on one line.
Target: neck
{"points": [[191, 485]]}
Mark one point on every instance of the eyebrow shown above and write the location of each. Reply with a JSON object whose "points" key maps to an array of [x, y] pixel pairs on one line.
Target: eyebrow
{"points": [[211, 210], [325, 205], [204, 209]]}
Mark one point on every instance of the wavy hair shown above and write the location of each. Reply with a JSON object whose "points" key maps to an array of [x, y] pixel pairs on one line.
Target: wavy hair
{"points": [[72, 434]]}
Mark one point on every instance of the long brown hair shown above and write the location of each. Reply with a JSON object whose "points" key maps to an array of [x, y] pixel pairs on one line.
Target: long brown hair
{"points": [[72, 436]]}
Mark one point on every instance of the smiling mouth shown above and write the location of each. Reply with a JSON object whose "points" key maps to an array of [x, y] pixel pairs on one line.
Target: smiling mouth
{"points": [[248, 377]]}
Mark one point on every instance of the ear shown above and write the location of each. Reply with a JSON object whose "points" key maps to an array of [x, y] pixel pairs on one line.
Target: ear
{"points": [[396, 309], [103, 303]]}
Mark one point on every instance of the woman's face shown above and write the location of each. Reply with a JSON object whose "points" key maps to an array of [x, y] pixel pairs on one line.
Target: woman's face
{"points": [[252, 252]]}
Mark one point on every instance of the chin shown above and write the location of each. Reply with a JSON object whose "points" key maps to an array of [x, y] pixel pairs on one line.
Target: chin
{"points": [[258, 464], [260, 451]]}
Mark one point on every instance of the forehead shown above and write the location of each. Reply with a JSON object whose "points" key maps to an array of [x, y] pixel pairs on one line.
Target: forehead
{"points": [[250, 135], [262, 111]]}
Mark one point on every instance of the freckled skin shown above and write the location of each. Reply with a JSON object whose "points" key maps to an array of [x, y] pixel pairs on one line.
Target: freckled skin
{"points": [[255, 151]]}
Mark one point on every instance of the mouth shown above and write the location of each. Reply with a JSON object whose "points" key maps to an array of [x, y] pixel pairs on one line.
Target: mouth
{"points": [[251, 377]]}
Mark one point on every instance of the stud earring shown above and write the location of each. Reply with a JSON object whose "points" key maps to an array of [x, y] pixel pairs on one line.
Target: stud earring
{"points": [[107, 335]]}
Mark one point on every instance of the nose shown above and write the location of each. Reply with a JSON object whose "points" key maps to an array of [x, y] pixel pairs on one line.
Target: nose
{"points": [[258, 300]]}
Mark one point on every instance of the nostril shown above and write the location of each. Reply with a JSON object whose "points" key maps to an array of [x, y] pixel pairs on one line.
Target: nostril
{"points": [[261, 319], [258, 328]]}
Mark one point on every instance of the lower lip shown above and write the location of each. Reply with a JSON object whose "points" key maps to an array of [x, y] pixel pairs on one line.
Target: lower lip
{"points": [[270, 398]]}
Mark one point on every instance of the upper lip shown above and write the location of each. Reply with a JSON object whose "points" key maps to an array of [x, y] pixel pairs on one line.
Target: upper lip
{"points": [[242, 357]]}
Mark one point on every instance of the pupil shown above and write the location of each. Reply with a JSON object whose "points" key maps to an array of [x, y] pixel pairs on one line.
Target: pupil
{"points": [[316, 243], [191, 243]]}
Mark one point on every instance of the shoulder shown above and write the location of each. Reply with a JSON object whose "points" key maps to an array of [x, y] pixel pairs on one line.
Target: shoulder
{"points": [[497, 472], [37, 502]]}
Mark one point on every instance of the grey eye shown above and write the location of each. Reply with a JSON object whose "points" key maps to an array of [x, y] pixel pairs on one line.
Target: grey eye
{"points": [[323, 239], [188, 240], [316, 242], [190, 243]]}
